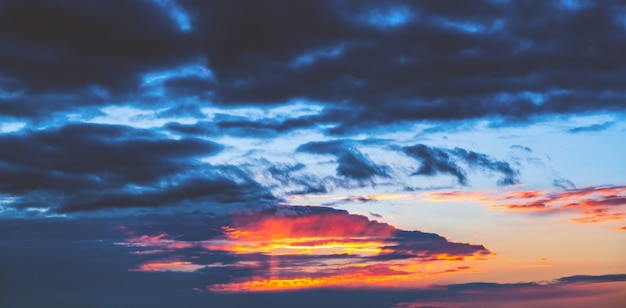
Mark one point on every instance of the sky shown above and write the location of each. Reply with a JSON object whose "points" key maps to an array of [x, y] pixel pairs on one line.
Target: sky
{"points": [[312, 153]]}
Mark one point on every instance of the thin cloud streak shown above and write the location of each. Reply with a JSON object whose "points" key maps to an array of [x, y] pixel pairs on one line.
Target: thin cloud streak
{"points": [[594, 203]]}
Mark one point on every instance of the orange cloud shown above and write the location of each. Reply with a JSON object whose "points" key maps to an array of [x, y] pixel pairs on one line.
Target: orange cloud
{"points": [[599, 215], [311, 248], [368, 276], [593, 204]]}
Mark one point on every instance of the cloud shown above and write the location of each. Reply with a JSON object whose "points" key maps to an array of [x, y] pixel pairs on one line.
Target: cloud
{"points": [[435, 161], [564, 184], [434, 63], [589, 278], [285, 175], [447, 65], [352, 163], [243, 127], [479, 160], [594, 204], [523, 148], [591, 128], [574, 291], [83, 46], [281, 246], [66, 254], [376, 215], [90, 166], [217, 188]]}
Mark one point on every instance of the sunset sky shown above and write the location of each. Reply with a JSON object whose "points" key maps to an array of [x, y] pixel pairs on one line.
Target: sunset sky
{"points": [[257, 153]]}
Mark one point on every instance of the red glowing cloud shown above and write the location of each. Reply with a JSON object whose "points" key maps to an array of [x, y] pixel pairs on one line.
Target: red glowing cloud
{"points": [[312, 248], [324, 224]]}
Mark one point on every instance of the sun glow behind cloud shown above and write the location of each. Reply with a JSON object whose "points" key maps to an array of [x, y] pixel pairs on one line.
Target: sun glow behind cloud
{"points": [[240, 141], [319, 249]]}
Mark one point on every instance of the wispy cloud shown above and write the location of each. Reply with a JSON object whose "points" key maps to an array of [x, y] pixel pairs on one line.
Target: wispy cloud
{"points": [[591, 128], [351, 162], [594, 203], [444, 161]]}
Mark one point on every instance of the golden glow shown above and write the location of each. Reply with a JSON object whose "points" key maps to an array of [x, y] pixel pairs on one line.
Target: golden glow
{"points": [[301, 245], [313, 250], [318, 234], [369, 276]]}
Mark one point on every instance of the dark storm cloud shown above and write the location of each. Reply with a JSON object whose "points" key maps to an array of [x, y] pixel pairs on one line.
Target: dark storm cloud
{"points": [[438, 63], [63, 55], [352, 163], [435, 161], [90, 166], [61, 45], [370, 62], [591, 128]]}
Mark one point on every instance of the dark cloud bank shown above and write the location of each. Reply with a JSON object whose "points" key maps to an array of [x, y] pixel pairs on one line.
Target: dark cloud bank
{"points": [[368, 63], [83, 167]]}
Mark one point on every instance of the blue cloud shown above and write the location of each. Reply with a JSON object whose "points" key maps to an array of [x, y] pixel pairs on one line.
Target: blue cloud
{"points": [[591, 128]]}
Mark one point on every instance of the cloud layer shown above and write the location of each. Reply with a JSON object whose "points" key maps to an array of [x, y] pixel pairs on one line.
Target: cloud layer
{"points": [[464, 61], [82, 167]]}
